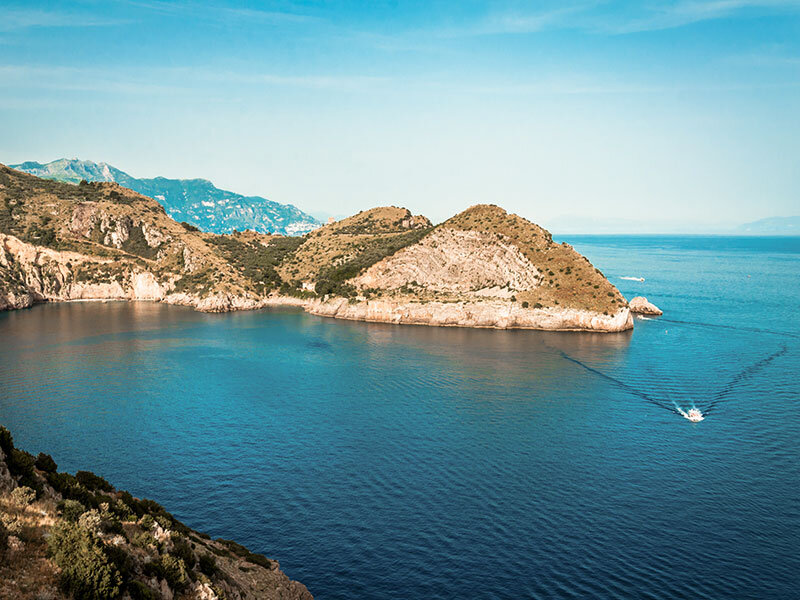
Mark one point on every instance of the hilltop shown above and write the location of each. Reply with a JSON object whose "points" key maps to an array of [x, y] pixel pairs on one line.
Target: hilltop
{"points": [[195, 201], [482, 268], [76, 536]]}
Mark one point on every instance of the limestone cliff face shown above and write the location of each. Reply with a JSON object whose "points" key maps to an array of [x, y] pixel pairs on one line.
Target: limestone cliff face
{"points": [[451, 260], [37, 274], [489, 314]]}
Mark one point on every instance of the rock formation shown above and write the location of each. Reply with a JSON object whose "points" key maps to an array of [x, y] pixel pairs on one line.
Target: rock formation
{"points": [[641, 306]]}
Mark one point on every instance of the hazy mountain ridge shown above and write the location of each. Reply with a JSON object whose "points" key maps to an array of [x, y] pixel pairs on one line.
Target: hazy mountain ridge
{"points": [[482, 268], [772, 226], [195, 201]]}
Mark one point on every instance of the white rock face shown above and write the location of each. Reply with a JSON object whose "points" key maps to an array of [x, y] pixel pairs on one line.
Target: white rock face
{"points": [[497, 315], [641, 306], [452, 260], [48, 275]]}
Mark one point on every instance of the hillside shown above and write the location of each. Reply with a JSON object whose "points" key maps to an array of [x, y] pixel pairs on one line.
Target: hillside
{"points": [[481, 268], [196, 201], [76, 536]]}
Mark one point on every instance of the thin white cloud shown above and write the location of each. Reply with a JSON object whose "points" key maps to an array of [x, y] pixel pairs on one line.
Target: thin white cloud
{"points": [[17, 19], [688, 12]]}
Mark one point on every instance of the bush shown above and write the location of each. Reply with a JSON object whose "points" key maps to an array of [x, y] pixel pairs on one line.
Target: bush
{"points": [[188, 226], [174, 572], [93, 482], [147, 522], [23, 496], [87, 572], [183, 550], [208, 565], [6, 441], [525, 305], [45, 462], [139, 591], [71, 510]]}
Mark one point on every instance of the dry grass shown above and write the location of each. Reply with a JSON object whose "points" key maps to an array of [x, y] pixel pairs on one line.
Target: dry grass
{"points": [[570, 280], [27, 574]]}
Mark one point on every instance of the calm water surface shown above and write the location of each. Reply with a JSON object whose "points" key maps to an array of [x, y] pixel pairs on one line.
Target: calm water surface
{"points": [[379, 461]]}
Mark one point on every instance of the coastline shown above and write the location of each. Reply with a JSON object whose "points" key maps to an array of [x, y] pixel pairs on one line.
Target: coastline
{"points": [[45, 275]]}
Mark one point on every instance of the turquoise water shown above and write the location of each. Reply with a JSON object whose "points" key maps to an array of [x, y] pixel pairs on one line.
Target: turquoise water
{"points": [[379, 461]]}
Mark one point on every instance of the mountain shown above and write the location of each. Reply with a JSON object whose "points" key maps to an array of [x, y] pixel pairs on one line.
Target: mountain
{"points": [[772, 226], [195, 201], [482, 268], [75, 536]]}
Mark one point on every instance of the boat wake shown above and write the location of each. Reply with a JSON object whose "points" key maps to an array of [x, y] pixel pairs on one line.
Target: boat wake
{"points": [[742, 376], [633, 278], [694, 414], [618, 383]]}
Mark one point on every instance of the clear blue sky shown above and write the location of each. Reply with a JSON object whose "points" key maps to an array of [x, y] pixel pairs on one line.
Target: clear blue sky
{"points": [[656, 114]]}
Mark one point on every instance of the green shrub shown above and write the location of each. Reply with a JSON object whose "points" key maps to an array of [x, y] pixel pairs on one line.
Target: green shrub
{"points": [[183, 550], [174, 572], [139, 591], [45, 462], [93, 482], [188, 226], [6, 441], [87, 572], [208, 565], [23, 496], [525, 305], [71, 510], [147, 522], [143, 539]]}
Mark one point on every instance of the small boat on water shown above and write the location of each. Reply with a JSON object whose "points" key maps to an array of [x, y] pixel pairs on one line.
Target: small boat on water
{"points": [[693, 414], [633, 278]]}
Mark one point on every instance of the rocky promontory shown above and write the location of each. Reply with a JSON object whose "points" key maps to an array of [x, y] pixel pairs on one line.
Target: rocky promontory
{"points": [[482, 268]]}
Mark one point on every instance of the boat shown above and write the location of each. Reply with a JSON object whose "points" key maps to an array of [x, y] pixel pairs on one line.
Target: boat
{"points": [[633, 278], [693, 414]]}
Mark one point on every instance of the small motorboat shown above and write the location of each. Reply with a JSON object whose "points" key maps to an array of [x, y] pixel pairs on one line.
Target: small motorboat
{"points": [[694, 415], [633, 278]]}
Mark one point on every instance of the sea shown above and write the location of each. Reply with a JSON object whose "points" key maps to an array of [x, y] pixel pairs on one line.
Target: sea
{"points": [[378, 461]]}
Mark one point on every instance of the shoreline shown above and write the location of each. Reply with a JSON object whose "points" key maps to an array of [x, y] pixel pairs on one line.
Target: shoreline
{"points": [[475, 315]]}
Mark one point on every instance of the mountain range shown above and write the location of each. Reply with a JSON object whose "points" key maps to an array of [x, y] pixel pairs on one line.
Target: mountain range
{"points": [[194, 201]]}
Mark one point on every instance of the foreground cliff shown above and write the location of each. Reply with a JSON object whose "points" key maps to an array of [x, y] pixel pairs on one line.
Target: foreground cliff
{"points": [[64, 536], [482, 268]]}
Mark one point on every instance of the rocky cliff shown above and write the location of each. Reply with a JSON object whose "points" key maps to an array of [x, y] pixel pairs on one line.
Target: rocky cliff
{"points": [[482, 268], [65, 536]]}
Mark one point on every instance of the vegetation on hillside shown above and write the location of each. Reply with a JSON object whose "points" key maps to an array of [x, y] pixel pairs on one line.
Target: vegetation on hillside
{"points": [[76, 536]]}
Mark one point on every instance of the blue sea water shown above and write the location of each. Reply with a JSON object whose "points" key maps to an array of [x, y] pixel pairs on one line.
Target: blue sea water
{"points": [[379, 461]]}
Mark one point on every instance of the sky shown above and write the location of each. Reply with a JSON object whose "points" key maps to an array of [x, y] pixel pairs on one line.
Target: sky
{"points": [[579, 115]]}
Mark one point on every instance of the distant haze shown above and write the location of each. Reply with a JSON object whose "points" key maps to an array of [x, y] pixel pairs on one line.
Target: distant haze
{"points": [[581, 116]]}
